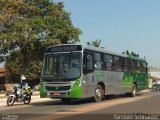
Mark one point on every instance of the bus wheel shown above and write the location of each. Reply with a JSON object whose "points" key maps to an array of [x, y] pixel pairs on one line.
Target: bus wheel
{"points": [[99, 94], [66, 100], [134, 90]]}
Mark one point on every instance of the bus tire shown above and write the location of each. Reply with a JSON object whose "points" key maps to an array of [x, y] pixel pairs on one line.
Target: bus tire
{"points": [[99, 94], [133, 90], [66, 100]]}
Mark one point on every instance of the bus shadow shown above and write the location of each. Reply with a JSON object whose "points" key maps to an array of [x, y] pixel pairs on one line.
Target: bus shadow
{"points": [[81, 101], [59, 102], [119, 96]]}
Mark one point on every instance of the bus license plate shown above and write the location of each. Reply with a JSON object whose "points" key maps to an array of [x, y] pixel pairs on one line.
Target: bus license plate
{"points": [[56, 93]]}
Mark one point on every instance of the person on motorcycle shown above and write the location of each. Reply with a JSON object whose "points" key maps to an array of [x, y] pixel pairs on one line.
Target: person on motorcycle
{"points": [[21, 93], [21, 89]]}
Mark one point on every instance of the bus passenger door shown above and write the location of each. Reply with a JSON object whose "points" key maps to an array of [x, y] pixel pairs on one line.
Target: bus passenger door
{"points": [[88, 75]]}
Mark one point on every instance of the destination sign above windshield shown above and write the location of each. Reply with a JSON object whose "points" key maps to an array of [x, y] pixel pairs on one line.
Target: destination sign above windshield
{"points": [[64, 48]]}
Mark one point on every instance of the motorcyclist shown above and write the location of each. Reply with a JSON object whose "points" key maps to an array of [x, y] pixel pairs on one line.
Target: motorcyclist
{"points": [[21, 89], [20, 94]]}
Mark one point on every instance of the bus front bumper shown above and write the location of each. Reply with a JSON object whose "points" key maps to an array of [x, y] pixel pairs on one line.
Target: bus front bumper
{"points": [[58, 94]]}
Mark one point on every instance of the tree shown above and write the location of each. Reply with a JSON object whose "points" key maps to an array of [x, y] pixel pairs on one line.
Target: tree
{"points": [[130, 54], [123, 52], [127, 52], [13, 66], [95, 43], [29, 26]]}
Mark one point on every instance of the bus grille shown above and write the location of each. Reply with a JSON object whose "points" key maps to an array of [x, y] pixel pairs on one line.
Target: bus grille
{"points": [[57, 88]]}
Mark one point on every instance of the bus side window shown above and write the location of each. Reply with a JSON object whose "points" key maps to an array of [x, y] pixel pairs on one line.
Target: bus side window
{"points": [[118, 63], [84, 60], [135, 66], [98, 61], [125, 60], [89, 62], [144, 67], [108, 62], [138, 66], [129, 66], [132, 66]]}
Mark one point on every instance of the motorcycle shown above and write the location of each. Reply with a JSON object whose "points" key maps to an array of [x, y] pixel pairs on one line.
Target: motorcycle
{"points": [[156, 87], [19, 95]]}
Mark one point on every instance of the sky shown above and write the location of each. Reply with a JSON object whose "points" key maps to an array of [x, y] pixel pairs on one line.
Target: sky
{"points": [[121, 25]]}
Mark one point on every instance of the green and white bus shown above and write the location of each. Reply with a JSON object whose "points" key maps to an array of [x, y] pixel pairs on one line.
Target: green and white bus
{"points": [[74, 71]]}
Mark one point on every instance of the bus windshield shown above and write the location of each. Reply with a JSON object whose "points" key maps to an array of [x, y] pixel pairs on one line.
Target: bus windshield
{"points": [[62, 66]]}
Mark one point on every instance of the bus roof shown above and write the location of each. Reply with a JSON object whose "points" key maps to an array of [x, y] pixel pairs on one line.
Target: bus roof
{"points": [[112, 53], [103, 50]]}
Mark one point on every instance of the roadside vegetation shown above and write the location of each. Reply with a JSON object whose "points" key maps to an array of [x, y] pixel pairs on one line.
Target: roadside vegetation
{"points": [[27, 27]]}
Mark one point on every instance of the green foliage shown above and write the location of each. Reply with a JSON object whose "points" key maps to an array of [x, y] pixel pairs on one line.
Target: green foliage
{"points": [[95, 43], [29, 26], [127, 52], [123, 53], [130, 54], [13, 66]]}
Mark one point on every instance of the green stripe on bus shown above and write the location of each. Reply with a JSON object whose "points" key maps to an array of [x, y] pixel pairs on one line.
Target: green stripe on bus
{"points": [[76, 91], [141, 80], [42, 90]]}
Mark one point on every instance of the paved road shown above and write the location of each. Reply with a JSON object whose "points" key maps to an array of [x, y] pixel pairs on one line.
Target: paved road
{"points": [[147, 102]]}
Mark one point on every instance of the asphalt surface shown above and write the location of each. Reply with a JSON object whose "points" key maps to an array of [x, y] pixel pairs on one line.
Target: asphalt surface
{"points": [[114, 107]]}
